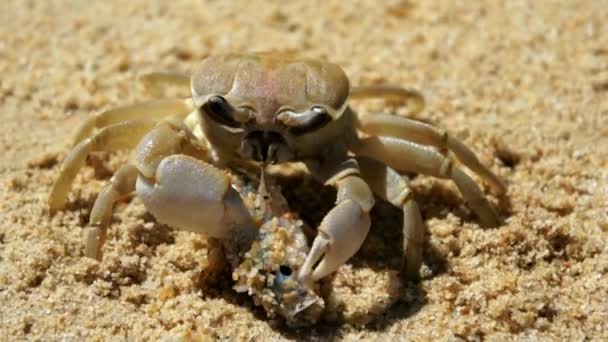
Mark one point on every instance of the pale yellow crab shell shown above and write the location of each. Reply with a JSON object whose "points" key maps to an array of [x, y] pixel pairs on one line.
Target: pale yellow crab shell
{"points": [[270, 82]]}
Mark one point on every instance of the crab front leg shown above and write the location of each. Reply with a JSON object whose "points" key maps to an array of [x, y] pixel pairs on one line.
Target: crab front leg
{"points": [[183, 191], [345, 227], [177, 187]]}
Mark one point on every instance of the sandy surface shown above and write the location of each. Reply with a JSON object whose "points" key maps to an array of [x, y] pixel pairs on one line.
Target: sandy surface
{"points": [[524, 83]]}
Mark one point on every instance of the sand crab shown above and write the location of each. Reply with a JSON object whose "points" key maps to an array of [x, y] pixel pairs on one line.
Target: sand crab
{"points": [[270, 108]]}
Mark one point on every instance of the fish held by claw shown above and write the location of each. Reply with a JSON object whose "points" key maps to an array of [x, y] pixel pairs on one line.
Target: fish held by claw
{"points": [[266, 264]]}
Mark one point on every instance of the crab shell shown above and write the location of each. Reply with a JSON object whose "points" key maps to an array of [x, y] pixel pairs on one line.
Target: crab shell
{"points": [[268, 84]]}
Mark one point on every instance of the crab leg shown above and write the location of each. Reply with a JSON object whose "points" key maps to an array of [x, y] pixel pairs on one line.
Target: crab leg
{"points": [[175, 186], [182, 191], [153, 110], [425, 134], [408, 156], [124, 135], [345, 227], [413, 97], [389, 185], [121, 184], [157, 82]]}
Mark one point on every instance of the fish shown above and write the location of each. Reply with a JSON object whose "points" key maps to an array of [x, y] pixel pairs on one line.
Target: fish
{"points": [[265, 261]]}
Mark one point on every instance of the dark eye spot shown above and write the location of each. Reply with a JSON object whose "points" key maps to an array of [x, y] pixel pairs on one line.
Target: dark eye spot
{"points": [[321, 119], [285, 270], [216, 104], [220, 111]]}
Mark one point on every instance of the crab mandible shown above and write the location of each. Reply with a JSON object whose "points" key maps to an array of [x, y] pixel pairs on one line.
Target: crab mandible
{"points": [[271, 108]]}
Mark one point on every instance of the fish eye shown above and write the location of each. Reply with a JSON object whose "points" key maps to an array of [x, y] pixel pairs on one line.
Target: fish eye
{"points": [[220, 111], [285, 270]]}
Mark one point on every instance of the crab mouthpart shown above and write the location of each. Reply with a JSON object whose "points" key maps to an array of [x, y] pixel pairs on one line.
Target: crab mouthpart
{"points": [[265, 146]]}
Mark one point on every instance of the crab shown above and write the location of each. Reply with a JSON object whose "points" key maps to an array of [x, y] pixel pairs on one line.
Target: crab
{"points": [[252, 110]]}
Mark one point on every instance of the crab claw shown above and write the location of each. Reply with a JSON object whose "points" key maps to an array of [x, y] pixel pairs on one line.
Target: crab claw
{"points": [[341, 234], [192, 195]]}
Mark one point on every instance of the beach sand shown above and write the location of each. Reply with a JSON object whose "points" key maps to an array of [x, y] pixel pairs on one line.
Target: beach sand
{"points": [[523, 83]]}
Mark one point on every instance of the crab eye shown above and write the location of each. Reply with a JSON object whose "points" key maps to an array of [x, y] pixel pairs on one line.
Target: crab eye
{"points": [[220, 111], [310, 120]]}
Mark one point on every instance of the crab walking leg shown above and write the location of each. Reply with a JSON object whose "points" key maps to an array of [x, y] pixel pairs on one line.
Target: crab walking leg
{"points": [[389, 185], [425, 134], [121, 184], [413, 97], [408, 156], [344, 228], [157, 82], [124, 135], [152, 110]]}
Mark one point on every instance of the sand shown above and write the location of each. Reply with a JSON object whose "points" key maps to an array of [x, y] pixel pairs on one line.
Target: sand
{"points": [[524, 84]]}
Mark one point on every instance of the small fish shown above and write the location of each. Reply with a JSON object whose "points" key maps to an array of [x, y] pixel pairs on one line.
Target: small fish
{"points": [[266, 261]]}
